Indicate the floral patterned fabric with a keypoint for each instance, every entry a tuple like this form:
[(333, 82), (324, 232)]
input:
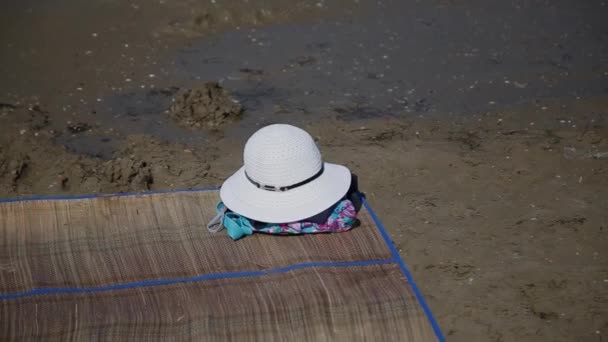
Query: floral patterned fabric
[(342, 218)]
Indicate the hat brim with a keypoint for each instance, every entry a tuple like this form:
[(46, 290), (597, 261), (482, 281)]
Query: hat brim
[(241, 196)]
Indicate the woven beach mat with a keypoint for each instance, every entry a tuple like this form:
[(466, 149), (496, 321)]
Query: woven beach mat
[(144, 267)]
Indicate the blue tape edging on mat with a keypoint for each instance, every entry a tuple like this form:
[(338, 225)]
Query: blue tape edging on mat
[(124, 194), (211, 276), (406, 272)]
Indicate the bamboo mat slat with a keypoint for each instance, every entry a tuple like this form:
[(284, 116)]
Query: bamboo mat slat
[(144, 267)]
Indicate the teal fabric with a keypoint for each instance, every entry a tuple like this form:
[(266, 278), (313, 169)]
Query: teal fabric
[(237, 226)]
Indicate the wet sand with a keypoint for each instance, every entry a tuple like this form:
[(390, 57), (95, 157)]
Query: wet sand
[(478, 130)]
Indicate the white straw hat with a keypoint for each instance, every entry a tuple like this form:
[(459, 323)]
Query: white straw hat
[(284, 178)]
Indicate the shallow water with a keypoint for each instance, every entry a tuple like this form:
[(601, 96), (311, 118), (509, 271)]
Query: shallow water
[(394, 58), (407, 60)]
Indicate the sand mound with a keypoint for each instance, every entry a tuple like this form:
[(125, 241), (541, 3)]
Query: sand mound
[(209, 106)]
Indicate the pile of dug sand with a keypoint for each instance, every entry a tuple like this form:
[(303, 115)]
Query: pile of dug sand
[(32, 162), (209, 106)]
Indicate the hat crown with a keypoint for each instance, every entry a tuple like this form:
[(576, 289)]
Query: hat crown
[(281, 155)]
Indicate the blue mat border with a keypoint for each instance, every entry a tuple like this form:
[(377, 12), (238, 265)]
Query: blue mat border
[(122, 194), (208, 276), (396, 258), (405, 270)]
